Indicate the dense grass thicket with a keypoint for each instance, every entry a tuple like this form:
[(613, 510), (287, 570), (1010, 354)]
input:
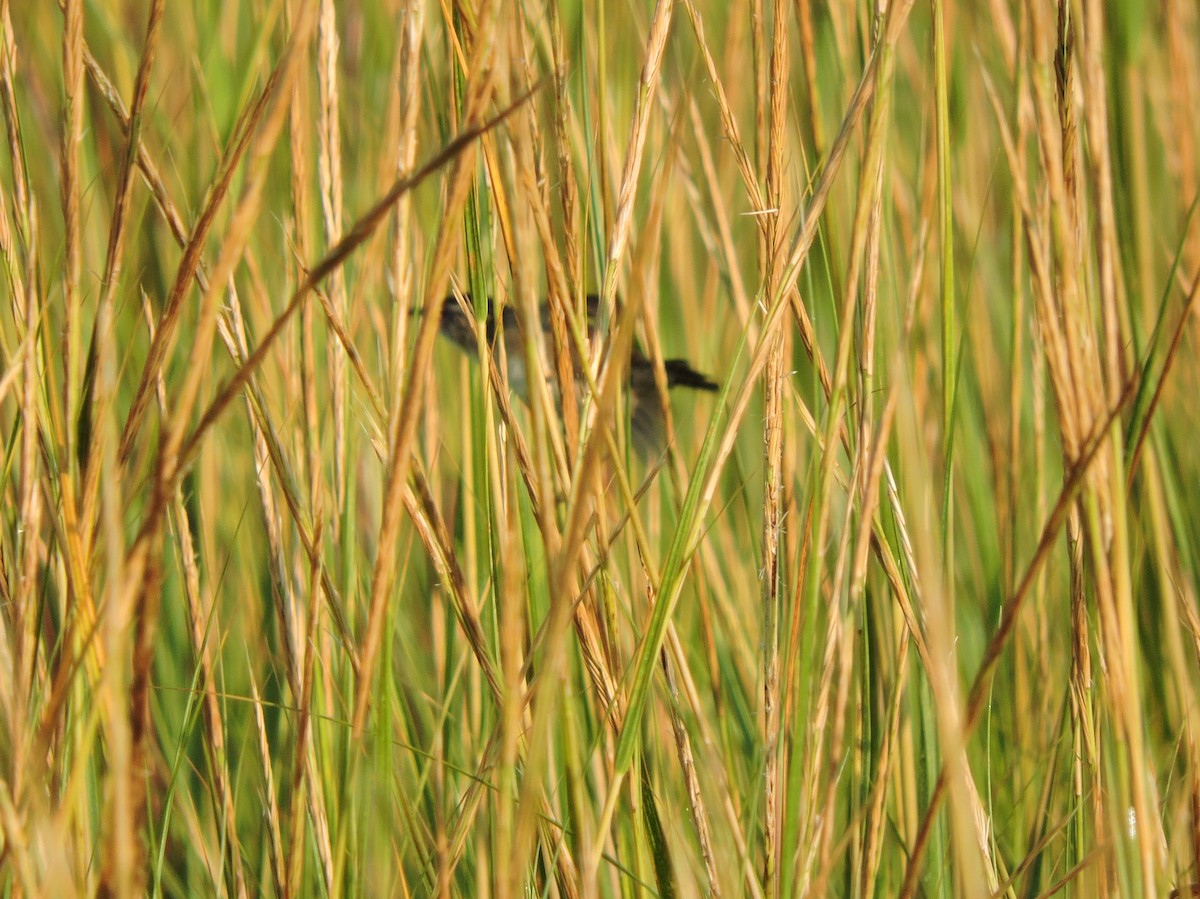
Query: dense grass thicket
[(298, 599)]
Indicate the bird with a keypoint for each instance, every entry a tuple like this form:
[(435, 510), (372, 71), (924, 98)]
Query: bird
[(646, 415)]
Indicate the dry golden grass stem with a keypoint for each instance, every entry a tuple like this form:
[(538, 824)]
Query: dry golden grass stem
[(530, 231), (568, 190), (1182, 82), (296, 619), (404, 138), (300, 117), (708, 561), (303, 763), (513, 704), (810, 343), (759, 63), (1020, 70), (72, 211), (271, 804), (329, 171), (24, 219), (1078, 385), (771, 245)]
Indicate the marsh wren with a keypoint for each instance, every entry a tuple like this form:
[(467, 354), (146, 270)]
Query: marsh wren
[(646, 415)]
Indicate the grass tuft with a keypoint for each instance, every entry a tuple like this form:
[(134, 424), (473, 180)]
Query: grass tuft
[(295, 601)]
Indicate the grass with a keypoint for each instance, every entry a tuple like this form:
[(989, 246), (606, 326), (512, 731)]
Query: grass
[(298, 600)]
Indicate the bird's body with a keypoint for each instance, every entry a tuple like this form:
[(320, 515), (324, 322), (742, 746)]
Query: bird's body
[(458, 325)]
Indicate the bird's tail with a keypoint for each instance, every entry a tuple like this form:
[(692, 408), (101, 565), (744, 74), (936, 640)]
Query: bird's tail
[(681, 374)]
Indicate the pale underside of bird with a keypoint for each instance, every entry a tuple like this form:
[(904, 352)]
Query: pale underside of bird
[(646, 417)]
